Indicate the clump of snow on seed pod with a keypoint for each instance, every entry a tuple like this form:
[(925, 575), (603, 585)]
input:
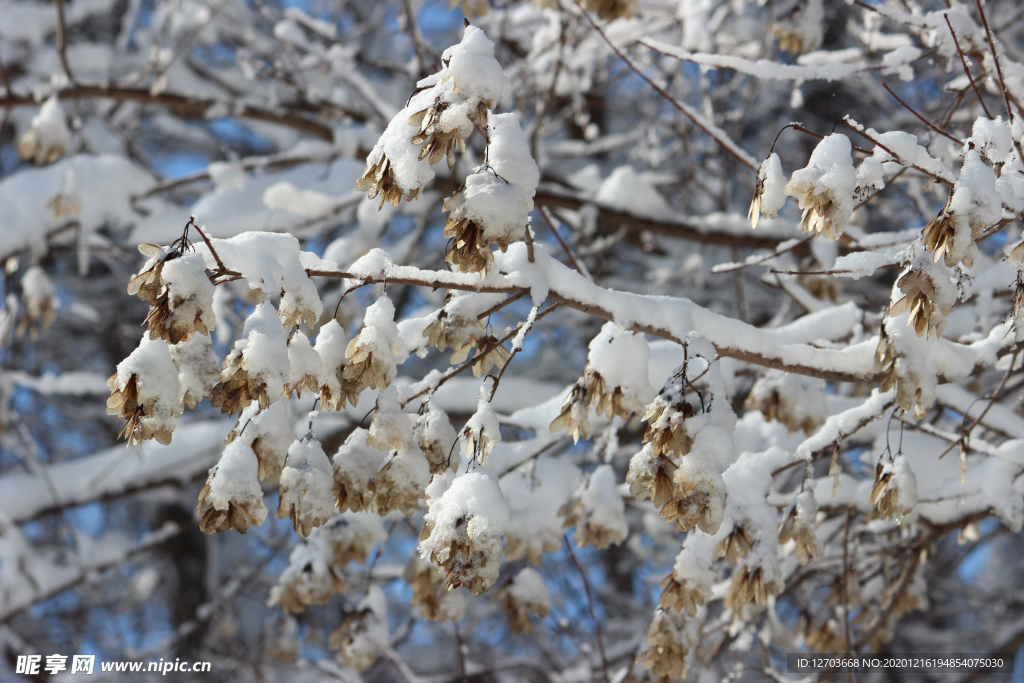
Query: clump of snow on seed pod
[(482, 431), (232, 497), (330, 345), (145, 392), (270, 434), (462, 529), (356, 465), (363, 636), (436, 122), (688, 587), (973, 207), (597, 512), (306, 370), (615, 378), (825, 187), (536, 492), (430, 596), (894, 492), (198, 369), (41, 302), (794, 400), (47, 138), (373, 353), (524, 596), (305, 490), (257, 367), (184, 305), (769, 195), (494, 203), (436, 438)]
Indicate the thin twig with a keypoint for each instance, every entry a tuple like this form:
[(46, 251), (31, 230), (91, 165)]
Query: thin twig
[(922, 119), (565, 247), (995, 58), (963, 60), (590, 607), (708, 127), (62, 39)]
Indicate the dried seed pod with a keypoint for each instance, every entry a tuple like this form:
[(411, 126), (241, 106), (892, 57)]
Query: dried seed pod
[(598, 512), (430, 596), (678, 595), (436, 438), (462, 530), (48, 137), (144, 392), (736, 546), (232, 497), (750, 584), (305, 490), (920, 298), (525, 595), (894, 492), (198, 369), (356, 466), (670, 640), (363, 635), (825, 187), (799, 527), (256, 368), (331, 343)]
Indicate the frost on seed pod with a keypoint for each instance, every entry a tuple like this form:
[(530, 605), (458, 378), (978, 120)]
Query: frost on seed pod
[(524, 596), (257, 367), (825, 187), (306, 370), (41, 302), (894, 492), (430, 596), (270, 434), (363, 635), (799, 527), (335, 392), (670, 640), (145, 392), (373, 353), (794, 400), (305, 490), (598, 512), (462, 529), (232, 497), (198, 369), (436, 438)]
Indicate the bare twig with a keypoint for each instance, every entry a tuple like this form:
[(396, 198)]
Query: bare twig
[(921, 118), (590, 607), (188, 107), (62, 39), (963, 60), (561, 242), (713, 131)]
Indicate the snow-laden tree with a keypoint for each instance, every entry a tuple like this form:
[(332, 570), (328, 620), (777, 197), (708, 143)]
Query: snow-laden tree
[(542, 344)]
